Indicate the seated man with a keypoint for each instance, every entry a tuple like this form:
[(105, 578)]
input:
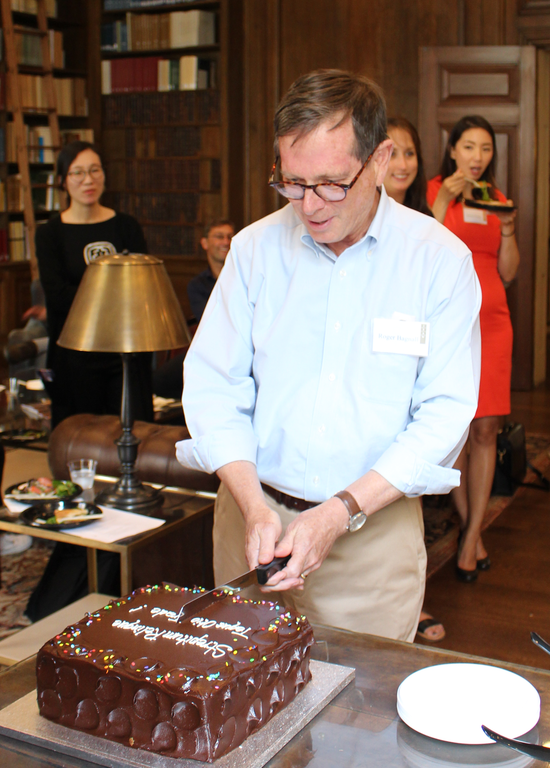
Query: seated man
[(168, 378)]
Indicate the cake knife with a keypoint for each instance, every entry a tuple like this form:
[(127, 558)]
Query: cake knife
[(259, 575)]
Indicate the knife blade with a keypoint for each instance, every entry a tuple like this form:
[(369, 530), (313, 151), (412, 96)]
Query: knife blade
[(536, 751), (259, 575), (538, 640)]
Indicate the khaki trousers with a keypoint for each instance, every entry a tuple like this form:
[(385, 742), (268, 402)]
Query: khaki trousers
[(372, 581)]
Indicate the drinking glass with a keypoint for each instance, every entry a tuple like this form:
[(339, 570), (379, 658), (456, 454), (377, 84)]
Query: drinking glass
[(83, 473)]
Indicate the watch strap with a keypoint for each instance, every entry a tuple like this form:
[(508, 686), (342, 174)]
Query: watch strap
[(350, 502)]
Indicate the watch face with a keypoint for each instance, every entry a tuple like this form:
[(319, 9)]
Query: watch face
[(357, 521)]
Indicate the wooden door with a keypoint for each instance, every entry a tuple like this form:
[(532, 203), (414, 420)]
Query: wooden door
[(499, 83)]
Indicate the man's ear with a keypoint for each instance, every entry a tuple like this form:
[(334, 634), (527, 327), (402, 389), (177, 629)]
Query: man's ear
[(381, 159), (204, 243)]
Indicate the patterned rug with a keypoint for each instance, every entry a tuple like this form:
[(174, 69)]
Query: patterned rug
[(21, 573)]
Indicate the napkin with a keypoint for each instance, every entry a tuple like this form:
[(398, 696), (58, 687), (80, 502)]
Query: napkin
[(114, 525)]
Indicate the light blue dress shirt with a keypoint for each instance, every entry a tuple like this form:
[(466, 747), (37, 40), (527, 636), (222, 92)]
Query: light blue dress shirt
[(282, 373)]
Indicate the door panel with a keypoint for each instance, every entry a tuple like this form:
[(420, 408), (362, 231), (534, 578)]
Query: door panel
[(499, 83)]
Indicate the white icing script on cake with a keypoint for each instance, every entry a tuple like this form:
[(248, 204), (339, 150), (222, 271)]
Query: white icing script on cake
[(213, 647), (217, 650), (199, 621)]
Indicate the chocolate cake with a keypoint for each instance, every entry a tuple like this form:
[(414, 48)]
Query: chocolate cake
[(195, 689)]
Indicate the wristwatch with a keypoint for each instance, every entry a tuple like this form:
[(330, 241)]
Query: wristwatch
[(357, 518)]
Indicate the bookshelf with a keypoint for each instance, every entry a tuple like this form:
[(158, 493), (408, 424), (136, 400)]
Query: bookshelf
[(41, 107), (163, 132)]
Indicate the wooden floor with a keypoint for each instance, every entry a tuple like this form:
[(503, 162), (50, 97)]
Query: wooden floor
[(494, 616)]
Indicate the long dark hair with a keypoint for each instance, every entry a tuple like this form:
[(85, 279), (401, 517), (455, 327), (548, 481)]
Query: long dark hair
[(448, 165), (415, 196), (68, 155)]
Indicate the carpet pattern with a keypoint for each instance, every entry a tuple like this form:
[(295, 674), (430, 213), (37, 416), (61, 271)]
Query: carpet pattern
[(21, 573)]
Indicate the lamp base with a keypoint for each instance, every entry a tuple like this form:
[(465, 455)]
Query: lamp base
[(139, 498)]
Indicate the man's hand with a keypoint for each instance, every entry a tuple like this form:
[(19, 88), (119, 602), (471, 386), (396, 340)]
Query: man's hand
[(37, 311), (309, 539), (263, 529)]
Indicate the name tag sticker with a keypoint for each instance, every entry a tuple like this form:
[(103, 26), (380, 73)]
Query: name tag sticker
[(401, 337), (474, 215)]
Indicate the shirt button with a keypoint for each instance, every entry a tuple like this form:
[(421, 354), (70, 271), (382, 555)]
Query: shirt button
[(315, 480), (332, 377), (337, 326), (322, 428), (343, 273)]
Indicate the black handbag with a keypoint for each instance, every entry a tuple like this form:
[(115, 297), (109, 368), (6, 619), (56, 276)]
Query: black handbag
[(511, 464)]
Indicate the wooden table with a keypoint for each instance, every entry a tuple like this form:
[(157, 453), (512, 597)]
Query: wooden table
[(359, 728), (180, 510)]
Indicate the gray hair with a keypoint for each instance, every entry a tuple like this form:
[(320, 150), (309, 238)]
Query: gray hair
[(325, 93)]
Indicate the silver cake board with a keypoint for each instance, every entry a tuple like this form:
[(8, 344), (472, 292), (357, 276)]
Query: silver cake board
[(22, 721)]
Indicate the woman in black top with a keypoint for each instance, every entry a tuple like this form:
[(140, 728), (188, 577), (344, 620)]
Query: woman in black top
[(86, 382)]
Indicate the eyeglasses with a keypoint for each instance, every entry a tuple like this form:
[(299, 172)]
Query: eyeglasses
[(330, 192), (95, 171)]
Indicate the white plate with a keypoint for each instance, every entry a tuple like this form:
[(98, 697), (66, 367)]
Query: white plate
[(451, 702)]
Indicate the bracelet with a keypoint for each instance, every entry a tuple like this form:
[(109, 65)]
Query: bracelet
[(509, 235), (350, 504)]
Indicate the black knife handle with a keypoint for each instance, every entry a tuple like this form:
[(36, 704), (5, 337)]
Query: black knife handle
[(265, 572)]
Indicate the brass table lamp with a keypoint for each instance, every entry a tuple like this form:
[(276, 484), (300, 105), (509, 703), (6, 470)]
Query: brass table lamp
[(126, 304)]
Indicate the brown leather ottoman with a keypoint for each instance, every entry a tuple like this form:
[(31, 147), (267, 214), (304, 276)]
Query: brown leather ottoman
[(93, 437)]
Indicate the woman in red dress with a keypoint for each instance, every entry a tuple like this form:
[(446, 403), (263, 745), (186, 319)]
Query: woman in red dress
[(470, 158)]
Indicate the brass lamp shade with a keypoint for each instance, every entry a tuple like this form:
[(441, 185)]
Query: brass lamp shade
[(125, 304)]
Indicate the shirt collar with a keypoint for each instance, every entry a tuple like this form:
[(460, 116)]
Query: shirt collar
[(373, 232)]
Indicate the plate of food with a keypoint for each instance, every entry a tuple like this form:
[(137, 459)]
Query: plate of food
[(43, 489), (490, 205), (23, 435), (60, 515)]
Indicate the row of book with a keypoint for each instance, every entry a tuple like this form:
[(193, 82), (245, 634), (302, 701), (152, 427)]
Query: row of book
[(122, 5), (164, 175), (160, 208), (172, 108), (14, 243), (156, 32), (171, 241), (46, 195), (39, 142), (161, 141), (151, 73), (29, 6), (29, 49), (70, 94)]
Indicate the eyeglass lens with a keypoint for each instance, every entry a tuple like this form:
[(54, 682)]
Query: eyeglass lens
[(96, 172), (328, 192)]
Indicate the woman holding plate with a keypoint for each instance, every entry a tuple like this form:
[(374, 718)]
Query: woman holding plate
[(488, 229)]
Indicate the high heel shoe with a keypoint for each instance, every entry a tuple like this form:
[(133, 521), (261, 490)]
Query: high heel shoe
[(465, 576), (462, 574), (484, 564)]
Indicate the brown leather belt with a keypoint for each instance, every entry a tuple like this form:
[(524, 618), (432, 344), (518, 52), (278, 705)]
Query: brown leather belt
[(289, 501)]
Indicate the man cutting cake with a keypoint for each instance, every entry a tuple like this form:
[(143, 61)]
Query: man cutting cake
[(335, 371)]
